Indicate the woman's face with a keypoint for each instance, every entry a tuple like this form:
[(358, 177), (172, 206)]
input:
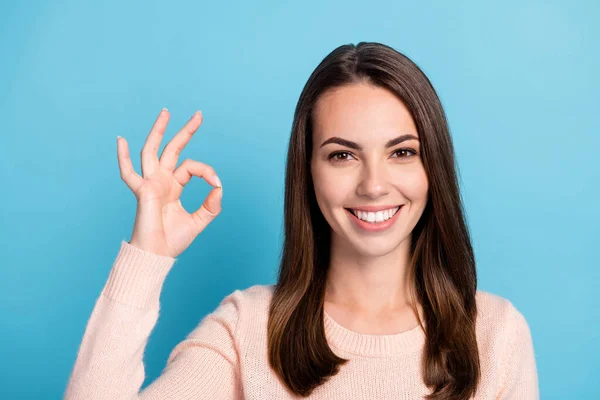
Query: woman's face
[(366, 155)]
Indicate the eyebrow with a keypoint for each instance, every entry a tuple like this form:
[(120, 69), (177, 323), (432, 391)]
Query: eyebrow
[(356, 146)]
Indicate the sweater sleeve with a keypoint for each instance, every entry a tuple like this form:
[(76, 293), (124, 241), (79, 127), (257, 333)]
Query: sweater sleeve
[(520, 373), (109, 362)]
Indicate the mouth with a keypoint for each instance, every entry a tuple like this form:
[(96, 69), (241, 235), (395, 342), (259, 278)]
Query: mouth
[(375, 217)]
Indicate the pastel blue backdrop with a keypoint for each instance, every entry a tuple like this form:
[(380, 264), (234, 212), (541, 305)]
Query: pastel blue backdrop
[(518, 79)]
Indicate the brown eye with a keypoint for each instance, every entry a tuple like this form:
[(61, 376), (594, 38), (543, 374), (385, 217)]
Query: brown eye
[(339, 156), (405, 151)]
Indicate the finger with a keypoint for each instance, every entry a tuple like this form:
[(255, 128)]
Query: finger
[(188, 168), (128, 174), (150, 150), (208, 210), (170, 154)]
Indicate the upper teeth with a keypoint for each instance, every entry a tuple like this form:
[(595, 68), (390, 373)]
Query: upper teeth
[(378, 216)]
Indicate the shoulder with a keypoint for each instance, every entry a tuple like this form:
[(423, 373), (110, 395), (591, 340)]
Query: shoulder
[(237, 313), (252, 299), (499, 325), (246, 307), (498, 312), (226, 328), (506, 347)]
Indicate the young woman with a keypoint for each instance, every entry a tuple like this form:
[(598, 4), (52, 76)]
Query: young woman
[(376, 296)]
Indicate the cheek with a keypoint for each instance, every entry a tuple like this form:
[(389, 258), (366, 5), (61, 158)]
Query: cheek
[(414, 185), (333, 191)]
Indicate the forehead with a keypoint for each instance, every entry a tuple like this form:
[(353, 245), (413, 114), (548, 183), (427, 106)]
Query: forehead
[(361, 110)]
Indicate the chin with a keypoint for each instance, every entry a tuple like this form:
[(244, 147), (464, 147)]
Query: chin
[(374, 247)]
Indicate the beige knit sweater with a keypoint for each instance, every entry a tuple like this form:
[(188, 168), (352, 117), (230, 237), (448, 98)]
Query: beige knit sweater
[(225, 356)]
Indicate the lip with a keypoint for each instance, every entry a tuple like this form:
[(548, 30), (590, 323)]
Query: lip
[(375, 208), (369, 227)]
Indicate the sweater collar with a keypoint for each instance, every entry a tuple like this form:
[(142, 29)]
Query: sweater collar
[(369, 345)]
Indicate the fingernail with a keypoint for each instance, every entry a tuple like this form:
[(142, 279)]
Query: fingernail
[(118, 136), (165, 109), (218, 182)]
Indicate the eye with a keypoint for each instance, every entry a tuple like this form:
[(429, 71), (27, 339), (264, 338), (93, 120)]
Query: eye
[(343, 156), (412, 153)]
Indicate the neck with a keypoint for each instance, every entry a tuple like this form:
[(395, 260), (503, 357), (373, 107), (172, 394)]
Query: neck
[(369, 284)]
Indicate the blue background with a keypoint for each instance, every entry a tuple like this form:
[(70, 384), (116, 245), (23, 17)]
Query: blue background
[(519, 82)]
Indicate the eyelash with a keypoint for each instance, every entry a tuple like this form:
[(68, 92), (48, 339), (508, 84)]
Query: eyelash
[(332, 155)]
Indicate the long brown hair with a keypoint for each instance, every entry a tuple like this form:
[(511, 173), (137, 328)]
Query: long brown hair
[(442, 260)]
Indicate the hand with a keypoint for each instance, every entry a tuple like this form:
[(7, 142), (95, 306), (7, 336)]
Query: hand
[(162, 226)]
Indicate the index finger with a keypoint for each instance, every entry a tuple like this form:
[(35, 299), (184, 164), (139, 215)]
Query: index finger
[(170, 154), (150, 150)]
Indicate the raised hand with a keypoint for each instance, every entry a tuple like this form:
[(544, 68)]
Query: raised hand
[(162, 226)]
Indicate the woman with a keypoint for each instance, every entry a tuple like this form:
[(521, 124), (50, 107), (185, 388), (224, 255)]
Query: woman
[(376, 296)]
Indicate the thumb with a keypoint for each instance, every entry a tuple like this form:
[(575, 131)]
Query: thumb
[(209, 209)]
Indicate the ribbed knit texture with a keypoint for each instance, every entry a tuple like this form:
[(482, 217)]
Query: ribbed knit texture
[(225, 356)]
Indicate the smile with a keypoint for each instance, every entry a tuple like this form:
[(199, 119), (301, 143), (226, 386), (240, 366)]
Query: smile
[(374, 221), (375, 217)]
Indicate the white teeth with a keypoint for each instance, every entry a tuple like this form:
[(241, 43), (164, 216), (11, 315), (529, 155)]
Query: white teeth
[(374, 217)]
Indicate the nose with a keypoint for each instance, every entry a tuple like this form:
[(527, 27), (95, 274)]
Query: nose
[(373, 182)]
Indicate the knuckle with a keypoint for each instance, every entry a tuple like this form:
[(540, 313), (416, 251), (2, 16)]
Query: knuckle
[(212, 212)]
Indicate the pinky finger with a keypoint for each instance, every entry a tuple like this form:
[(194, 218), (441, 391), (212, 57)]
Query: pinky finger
[(128, 174)]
